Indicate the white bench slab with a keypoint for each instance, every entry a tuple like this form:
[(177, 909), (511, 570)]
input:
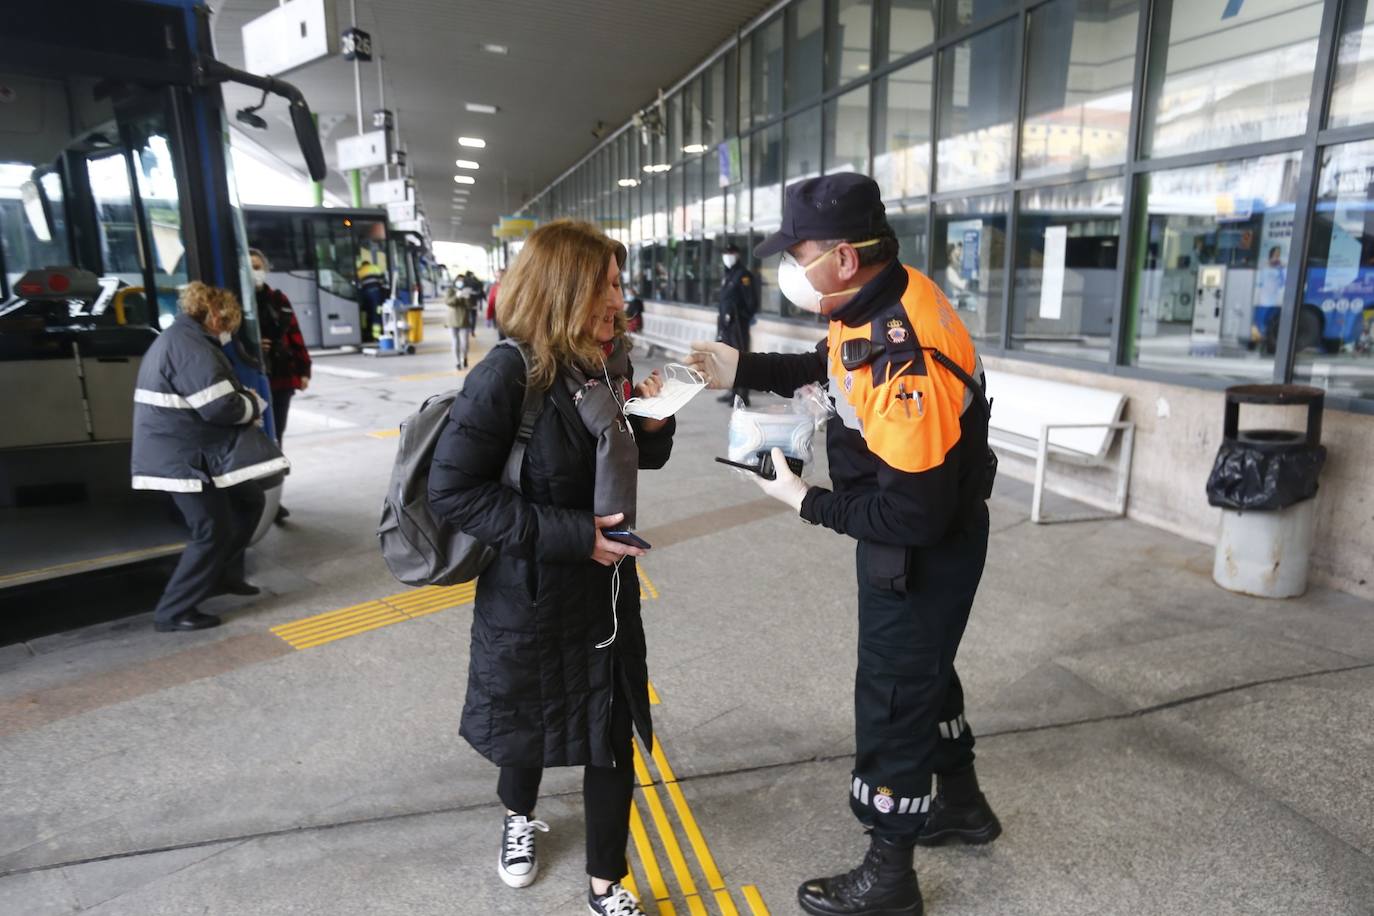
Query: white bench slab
[(1043, 419)]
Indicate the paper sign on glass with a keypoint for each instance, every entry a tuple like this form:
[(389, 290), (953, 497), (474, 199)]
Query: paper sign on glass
[(1052, 282)]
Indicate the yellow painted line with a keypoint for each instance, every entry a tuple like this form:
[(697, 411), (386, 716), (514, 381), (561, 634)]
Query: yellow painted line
[(362, 628), (666, 908), (333, 621), (653, 695), (429, 376), (689, 824), (646, 585), (324, 628), (727, 905), (666, 834), (647, 857), (384, 433), (755, 901)]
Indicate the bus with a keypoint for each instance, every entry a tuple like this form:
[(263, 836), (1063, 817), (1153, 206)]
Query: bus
[(317, 257), (115, 191)]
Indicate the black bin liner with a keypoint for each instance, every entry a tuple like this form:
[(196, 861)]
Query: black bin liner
[(1266, 469)]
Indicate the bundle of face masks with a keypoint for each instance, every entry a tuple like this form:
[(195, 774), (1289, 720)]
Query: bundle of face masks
[(789, 426), (680, 385)]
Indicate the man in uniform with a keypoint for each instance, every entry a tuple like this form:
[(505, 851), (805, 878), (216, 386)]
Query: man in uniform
[(372, 290), (911, 469), (739, 303)]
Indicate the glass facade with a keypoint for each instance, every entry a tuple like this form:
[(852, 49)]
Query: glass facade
[(1148, 188)]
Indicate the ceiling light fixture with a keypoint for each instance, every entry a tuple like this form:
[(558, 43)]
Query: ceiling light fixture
[(628, 182), (691, 148), (480, 108), (655, 169), (472, 142), (495, 49), (466, 164), (464, 179)]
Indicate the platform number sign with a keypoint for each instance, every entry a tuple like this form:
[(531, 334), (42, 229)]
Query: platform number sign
[(356, 45)]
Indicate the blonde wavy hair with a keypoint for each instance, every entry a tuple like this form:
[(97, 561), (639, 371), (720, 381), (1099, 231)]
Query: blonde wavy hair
[(217, 309), (548, 296)]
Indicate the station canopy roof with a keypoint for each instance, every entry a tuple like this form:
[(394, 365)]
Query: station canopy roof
[(568, 65)]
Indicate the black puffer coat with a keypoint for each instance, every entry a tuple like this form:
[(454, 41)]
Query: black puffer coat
[(539, 692)]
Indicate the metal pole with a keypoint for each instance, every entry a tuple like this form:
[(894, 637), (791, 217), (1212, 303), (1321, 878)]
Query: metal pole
[(355, 178), (381, 103)]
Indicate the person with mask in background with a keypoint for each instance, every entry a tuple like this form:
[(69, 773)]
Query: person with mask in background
[(283, 349), (737, 305), (911, 470), (197, 435), (458, 320), (556, 634)]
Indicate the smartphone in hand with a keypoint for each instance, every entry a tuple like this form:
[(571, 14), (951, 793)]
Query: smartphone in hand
[(625, 536)]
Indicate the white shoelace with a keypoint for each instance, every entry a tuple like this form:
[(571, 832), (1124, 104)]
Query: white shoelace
[(520, 838), (620, 902)]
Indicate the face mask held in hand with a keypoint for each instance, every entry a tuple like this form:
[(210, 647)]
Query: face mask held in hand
[(680, 385), (797, 288)]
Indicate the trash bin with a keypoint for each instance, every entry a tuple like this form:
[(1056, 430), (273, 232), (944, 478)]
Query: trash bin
[(1265, 482), (415, 318)]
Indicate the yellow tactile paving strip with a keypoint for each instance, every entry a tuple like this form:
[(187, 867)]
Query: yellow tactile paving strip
[(673, 835), (332, 626)]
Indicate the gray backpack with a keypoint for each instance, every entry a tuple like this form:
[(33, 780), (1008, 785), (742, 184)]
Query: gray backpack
[(418, 547)]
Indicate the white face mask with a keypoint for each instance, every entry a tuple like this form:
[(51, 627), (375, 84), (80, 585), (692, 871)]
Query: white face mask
[(680, 385), (729, 260), (225, 337), (259, 278), (798, 289)]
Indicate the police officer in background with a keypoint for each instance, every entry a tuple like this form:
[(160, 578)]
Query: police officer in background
[(739, 303), (911, 469)]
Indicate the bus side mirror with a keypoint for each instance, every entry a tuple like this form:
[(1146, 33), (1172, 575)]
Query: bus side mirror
[(308, 137), (210, 70)]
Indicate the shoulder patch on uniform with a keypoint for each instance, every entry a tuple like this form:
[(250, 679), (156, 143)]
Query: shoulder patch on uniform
[(744, 279)]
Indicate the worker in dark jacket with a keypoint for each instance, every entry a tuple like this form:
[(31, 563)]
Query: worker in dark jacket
[(738, 304), (283, 349), (909, 462), (198, 436), (557, 673)]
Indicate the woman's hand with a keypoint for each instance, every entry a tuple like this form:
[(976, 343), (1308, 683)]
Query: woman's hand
[(606, 551), (650, 387)]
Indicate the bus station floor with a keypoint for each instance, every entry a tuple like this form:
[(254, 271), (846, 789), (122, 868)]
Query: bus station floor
[(1151, 743)]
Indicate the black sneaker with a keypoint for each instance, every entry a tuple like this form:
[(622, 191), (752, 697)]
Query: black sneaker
[(517, 864), (615, 902)]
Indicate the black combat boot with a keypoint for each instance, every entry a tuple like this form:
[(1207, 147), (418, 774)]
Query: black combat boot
[(884, 884), (959, 813)]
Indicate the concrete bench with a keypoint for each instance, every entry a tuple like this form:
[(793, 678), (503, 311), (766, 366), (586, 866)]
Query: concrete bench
[(1040, 419)]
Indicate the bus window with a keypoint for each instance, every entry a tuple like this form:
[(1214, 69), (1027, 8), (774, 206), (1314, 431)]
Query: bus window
[(114, 208), (25, 245), (157, 187), (335, 259)]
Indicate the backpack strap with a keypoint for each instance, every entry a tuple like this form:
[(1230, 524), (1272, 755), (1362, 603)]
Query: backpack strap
[(529, 412)]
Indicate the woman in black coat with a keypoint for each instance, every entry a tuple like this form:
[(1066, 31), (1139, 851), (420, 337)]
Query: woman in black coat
[(557, 673)]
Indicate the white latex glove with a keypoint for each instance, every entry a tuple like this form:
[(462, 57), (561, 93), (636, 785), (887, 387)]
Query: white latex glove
[(717, 363), (786, 487)]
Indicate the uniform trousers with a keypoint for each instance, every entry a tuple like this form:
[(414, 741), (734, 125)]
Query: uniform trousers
[(221, 523), (606, 795), (908, 702)]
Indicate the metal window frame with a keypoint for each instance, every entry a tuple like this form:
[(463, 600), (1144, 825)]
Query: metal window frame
[(1151, 48)]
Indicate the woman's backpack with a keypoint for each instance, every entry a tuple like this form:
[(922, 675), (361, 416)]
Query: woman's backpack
[(420, 548)]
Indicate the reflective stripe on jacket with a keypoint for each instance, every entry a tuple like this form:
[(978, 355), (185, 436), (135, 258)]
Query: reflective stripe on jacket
[(193, 419)]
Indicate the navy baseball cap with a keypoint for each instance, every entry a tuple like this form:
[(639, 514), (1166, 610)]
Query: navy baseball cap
[(845, 205)]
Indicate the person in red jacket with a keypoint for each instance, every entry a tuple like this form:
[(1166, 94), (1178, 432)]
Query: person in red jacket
[(283, 348), (491, 300)]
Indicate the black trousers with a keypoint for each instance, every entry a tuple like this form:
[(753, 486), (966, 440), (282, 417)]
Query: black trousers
[(606, 795), (908, 702), (281, 406), (221, 522)]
